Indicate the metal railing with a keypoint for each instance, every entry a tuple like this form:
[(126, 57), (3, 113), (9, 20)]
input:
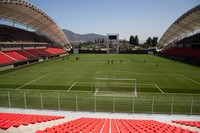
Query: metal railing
[(78, 102)]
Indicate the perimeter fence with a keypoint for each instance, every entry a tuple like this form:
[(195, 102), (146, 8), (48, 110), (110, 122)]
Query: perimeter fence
[(81, 101)]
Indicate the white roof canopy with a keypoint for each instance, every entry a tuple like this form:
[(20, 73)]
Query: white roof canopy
[(27, 14), (187, 23)]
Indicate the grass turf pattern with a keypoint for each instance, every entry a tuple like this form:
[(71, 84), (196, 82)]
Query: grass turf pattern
[(159, 81)]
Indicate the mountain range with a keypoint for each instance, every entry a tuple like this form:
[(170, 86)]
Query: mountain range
[(75, 37)]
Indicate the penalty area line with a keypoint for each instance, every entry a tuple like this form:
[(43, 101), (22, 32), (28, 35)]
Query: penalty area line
[(190, 79), (159, 88), (71, 86), (33, 81)]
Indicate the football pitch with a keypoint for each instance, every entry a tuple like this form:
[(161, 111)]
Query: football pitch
[(163, 86)]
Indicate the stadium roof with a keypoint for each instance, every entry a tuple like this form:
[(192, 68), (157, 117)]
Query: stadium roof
[(27, 14), (189, 22)]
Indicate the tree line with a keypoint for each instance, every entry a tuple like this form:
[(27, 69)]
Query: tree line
[(134, 40), (99, 40)]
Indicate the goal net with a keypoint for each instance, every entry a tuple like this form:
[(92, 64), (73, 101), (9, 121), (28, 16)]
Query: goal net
[(115, 87)]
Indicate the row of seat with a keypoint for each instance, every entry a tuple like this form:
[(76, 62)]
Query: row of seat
[(13, 34), (188, 123), (183, 52), (149, 126), (84, 125), (7, 57), (103, 125), (8, 120)]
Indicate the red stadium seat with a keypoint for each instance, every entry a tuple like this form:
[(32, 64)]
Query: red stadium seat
[(188, 123), (183, 52), (5, 59), (15, 55), (13, 34), (25, 54), (35, 52), (8, 120), (96, 125)]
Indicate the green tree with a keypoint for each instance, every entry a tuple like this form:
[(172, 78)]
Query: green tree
[(154, 41), (149, 41), (136, 40), (131, 40)]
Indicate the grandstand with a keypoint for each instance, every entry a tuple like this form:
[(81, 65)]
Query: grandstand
[(181, 40), (186, 50), (58, 95), (20, 47)]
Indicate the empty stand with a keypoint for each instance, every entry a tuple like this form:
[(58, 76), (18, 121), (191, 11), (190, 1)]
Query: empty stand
[(35, 52), (55, 50), (25, 54), (188, 123), (5, 59), (15, 55), (51, 51), (45, 52), (8, 120), (12, 34), (96, 125), (183, 52)]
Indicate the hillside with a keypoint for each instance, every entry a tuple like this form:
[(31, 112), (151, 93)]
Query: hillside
[(75, 37)]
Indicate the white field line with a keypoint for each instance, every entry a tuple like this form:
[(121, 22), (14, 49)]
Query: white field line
[(153, 85), (79, 83), (95, 93), (79, 91), (158, 74), (112, 59), (33, 81), (71, 86), (159, 88), (190, 79), (83, 82), (115, 72), (57, 91), (146, 84)]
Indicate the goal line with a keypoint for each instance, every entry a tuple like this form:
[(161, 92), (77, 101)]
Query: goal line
[(115, 87), (156, 87)]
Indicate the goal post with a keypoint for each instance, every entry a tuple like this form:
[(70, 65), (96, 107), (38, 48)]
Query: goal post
[(115, 86)]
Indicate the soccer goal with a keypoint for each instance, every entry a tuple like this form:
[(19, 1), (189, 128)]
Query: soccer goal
[(115, 87)]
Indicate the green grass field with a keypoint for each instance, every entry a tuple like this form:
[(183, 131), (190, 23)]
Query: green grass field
[(163, 86)]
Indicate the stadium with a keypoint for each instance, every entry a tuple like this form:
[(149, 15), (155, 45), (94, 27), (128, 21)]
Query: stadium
[(45, 88)]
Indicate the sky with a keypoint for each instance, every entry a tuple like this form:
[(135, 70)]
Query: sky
[(145, 18)]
